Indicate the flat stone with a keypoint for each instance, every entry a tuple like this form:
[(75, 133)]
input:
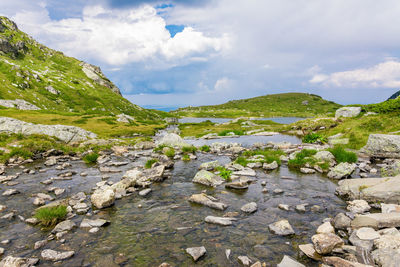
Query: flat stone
[(52, 255), (196, 252), (10, 192), (376, 220), (211, 165), (339, 262), (145, 192), (208, 201), (281, 227), (289, 262), (325, 228), (365, 245), (86, 223), (307, 170), (66, 225), (283, 207), (367, 233), (224, 221), (309, 251), (249, 207), (325, 243), (389, 208)]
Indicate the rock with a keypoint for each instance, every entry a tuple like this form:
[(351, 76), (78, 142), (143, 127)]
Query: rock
[(309, 251), (208, 201), (239, 184), (376, 220), (342, 170), (11, 261), (389, 208), (94, 230), (245, 172), (365, 245), (339, 262), (145, 192), (289, 262), (196, 252), (325, 156), (86, 223), (209, 166), (341, 221), (165, 264), (172, 139), (51, 161), (103, 198), (383, 146), (244, 260), (283, 207), (95, 73), (18, 104), (307, 170), (155, 174), (272, 166), (67, 134), (224, 221), (348, 112), (367, 233), (40, 244), (125, 118), (66, 225), (301, 207), (391, 169), (371, 189), (325, 243), (358, 206), (325, 228), (51, 90), (52, 255), (249, 207), (387, 241), (32, 221), (257, 264), (386, 257), (207, 178), (281, 227)]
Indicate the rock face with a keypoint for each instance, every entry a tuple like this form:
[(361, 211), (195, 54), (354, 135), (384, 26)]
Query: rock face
[(348, 112), (342, 170), (386, 190), (95, 73), (172, 139), (65, 133), (383, 146), (207, 178), (18, 104), (103, 198)]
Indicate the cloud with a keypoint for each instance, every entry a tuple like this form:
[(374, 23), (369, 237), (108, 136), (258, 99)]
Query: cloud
[(223, 84), (386, 74)]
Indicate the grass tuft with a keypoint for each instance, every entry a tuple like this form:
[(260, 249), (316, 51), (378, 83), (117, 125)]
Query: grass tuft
[(52, 215), (150, 163), (341, 155)]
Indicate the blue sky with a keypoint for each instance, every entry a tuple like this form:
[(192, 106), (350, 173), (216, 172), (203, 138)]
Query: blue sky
[(182, 52)]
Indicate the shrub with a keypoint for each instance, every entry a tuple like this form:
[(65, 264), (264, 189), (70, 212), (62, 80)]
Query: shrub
[(189, 149), (150, 163), (185, 157), (225, 173), (242, 161), (226, 132), (341, 155), (302, 158), (159, 148), (52, 215), (205, 148), (170, 152), (314, 138), (90, 158)]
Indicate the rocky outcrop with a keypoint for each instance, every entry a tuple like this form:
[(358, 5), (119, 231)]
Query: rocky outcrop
[(125, 118), (95, 73), (382, 146), (348, 112), (65, 133), (343, 170), (18, 104)]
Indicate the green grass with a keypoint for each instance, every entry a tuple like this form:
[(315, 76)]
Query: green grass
[(205, 148), (229, 132), (341, 155), (186, 157), (225, 173), (242, 161), (302, 158), (51, 215), (189, 149), (314, 138), (150, 163), (270, 155), (170, 152), (90, 158), (287, 104)]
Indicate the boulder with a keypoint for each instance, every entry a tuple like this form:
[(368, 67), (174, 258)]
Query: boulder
[(309, 251), (325, 243), (103, 197), (208, 201), (341, 221), (249, 207), (207, 178), (342, 170), (272, 166), (382, 146), (244, 260), (325, 156), (125, 118), (172, 139), (65, 133), (386, 257), (358, 206), (289, 262), (196, 252), (325, 228), (348, 112), (52, 255), (281, 227), (18, 104), (209, 166), (376, 220)]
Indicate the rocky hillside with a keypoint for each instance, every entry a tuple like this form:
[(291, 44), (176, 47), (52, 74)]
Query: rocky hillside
[(288, 104), (35, 77), (395, 95)]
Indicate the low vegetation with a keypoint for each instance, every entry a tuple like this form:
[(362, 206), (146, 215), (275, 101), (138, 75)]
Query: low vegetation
[(50, 216), (170, 152), (225, 173), (205, 148), (90, 158), (342, 155), (302, 158), (150, 163), (264, 156), (189, 149), (314, 138), (231, 132)]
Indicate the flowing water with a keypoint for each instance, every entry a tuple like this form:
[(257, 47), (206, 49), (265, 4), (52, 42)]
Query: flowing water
[(167, 223)]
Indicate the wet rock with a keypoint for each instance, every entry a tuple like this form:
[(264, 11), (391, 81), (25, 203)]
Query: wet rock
[(281, 227), (358, 206), (309, 251), (224, 221), (249, 207), (348, 112), (208, 201), (325, 243), (10, 192), (283, 207), (278, 191), (51, 161), (102, 198), (301, 207), (342, 170), (145, 192), (240, 184), (207, 178), (382, 146), (376, 220), (245, 172), (40, 244), (272, 166), (86, 223), (32, 221), (325, 228), (307, 170), (52, 255), (11, 261), (209, 166), (66, 225), (244, 260), (196, 252), (289, 262)]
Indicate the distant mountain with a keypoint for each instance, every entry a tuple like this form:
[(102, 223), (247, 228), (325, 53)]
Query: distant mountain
[(395, 95), (287, 104), (41, 78)]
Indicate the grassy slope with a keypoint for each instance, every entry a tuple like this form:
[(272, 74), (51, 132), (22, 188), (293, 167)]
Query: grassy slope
[(288, 104), (26, 74)]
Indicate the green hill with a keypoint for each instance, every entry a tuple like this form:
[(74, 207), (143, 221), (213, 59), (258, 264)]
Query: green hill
[(288, 104), (53, 82)]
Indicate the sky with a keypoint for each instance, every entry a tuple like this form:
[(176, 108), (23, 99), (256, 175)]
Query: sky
[(176, 53)]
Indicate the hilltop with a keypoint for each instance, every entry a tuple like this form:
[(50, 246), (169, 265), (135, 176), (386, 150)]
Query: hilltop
[(40, 78), (287, 104)]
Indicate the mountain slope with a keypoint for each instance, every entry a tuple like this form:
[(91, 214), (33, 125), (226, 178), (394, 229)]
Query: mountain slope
[(54, 82), (288, 104), (395, 95)]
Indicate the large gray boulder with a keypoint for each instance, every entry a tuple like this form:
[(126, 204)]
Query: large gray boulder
[(103, 197), (383, 146), (385, 190), (172, 139), (18, 104), (65, 133), (348, 112), (207, 178), (342, 170)]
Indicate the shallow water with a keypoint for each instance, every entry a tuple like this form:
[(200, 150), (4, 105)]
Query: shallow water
[(281, 120), (167, 223)]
